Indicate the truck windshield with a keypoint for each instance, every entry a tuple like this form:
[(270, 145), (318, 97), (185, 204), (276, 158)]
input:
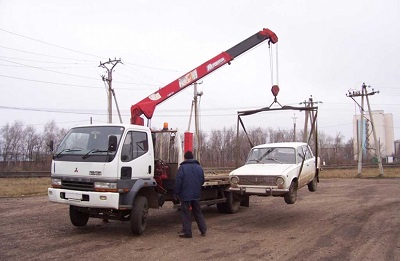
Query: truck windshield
[(272, 155), (90, 140)]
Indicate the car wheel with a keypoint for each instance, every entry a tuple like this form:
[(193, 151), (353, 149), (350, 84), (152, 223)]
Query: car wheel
[(139, 215), (312, 186), (291, 196), (78, 218)]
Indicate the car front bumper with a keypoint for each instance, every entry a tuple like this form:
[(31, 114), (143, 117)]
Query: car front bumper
[(259, 190)]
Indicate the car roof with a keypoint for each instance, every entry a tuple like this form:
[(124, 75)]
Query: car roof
[(281, 144)]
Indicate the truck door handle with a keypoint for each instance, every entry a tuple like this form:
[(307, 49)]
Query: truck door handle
[(149, 169)]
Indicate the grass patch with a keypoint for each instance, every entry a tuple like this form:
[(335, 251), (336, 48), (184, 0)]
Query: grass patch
[(23, 187), (353, 173)]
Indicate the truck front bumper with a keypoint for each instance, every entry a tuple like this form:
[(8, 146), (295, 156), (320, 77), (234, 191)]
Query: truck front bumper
[(259, 190), (84, 198)]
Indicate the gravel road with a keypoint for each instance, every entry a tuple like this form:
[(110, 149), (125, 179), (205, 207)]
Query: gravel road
[(345, 219)]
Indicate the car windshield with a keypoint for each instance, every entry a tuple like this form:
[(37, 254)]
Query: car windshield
[(272, 155), (88, 140)]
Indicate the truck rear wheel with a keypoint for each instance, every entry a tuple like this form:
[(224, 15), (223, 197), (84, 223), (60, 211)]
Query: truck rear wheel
[(231, 205), (139, 215), (78, 218)]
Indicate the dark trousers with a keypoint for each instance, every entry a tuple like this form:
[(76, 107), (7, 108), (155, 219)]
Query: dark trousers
[(186, 208)]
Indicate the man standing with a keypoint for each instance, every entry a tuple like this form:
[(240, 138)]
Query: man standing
[(188, 184)]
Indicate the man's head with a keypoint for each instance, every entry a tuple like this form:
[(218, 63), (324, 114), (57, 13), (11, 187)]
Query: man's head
[(188, 155)]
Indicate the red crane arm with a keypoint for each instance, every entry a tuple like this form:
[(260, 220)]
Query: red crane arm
[(147, 106)]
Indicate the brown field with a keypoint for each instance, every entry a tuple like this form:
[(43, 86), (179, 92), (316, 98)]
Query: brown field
[(24, 187), (345, 219)]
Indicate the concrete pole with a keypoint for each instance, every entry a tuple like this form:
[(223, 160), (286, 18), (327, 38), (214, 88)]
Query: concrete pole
[(378, 154), (109, 97), (360, 139)]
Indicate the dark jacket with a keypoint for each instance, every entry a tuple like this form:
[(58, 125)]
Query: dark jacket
[(189, 180)]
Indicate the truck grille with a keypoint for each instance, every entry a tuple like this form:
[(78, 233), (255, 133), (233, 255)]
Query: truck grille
[(77, 185), (257, 180)]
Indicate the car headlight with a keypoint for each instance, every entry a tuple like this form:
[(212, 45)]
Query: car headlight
[(234, 180), (106, 186), (56, 183), (279, 182)]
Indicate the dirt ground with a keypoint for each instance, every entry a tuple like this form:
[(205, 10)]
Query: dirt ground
[(345, 219)]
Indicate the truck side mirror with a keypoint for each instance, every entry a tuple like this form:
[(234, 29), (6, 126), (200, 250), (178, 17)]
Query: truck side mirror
[(112, 143)]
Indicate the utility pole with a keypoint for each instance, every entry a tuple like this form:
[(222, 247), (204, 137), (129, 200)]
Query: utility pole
[(295, 128), (194, 107), (308, 116), (109, 66), (364, 93)]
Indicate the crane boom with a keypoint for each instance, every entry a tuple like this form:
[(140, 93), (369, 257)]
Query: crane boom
[(147, 106)]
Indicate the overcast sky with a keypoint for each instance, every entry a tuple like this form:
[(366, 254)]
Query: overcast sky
[(50, 53)]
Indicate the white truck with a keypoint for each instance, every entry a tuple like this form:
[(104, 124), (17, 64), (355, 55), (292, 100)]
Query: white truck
[(277, 169), (111, 172)]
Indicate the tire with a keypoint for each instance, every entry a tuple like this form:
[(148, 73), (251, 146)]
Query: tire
[(231, 205), (78, 218), (291, 196), (312, 186), (139, 215)]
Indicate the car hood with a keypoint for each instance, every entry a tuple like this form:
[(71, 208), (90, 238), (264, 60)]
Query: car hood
[(263, 169)]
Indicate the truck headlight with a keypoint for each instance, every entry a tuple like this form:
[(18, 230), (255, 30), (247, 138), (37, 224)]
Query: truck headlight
[(234, 180), (56, 183), (105, 186), (279, 181)]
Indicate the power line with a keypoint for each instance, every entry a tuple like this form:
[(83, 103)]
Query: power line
[(30, 60), (54, 45), (45, 55), (39, 68), (48, 110), (73, 85), (47, 82)]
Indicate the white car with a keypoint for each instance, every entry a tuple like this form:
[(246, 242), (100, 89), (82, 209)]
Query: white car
[(277, 169)]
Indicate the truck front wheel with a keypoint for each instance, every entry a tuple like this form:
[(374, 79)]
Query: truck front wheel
[(139, 215), (78, 218)]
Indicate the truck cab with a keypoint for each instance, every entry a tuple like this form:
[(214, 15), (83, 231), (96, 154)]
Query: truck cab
[(99, 169)]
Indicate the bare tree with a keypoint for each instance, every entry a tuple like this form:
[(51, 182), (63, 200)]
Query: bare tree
[(31, 143), (258, 136), (5, 142), (338, 140), (216, 140), (349, 151), (280, 135), (15, 139), (221, 148)]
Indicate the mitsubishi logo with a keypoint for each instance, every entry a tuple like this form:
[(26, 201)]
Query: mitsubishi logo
[(76, 170)]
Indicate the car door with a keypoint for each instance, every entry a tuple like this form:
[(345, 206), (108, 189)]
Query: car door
[(307, 167), (309, 164)]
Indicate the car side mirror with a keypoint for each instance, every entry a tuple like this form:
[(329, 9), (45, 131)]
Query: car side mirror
[(112, 143)]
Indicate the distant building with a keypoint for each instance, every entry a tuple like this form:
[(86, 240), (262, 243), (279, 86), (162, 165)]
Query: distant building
[(384, 130)]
